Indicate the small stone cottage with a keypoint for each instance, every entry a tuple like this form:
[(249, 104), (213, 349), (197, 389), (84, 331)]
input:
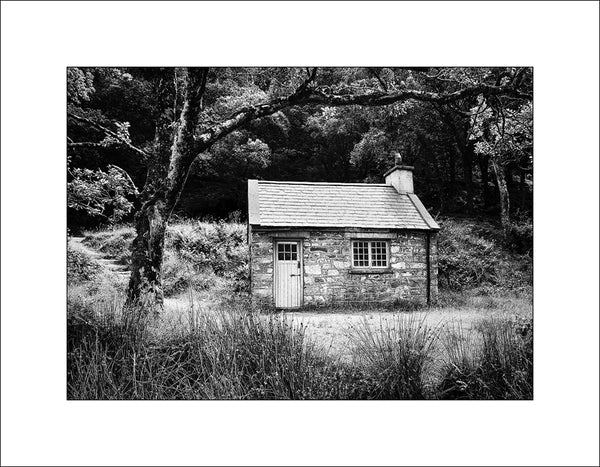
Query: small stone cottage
[(331, 243)]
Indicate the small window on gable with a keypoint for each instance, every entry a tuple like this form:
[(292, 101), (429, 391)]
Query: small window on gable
[(370, 254)]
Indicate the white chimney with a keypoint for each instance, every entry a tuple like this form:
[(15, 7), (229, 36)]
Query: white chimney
[(400, 176)]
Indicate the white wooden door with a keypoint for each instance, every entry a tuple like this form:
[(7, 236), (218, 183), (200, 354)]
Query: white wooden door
[(288, 274)]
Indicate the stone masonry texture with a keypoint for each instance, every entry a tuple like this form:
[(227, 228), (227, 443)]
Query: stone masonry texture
[(328, 274)]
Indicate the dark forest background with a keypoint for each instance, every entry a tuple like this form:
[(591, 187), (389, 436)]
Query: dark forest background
[(453, 146)]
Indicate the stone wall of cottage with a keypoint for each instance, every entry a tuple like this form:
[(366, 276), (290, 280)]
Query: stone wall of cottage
[(329, 277)]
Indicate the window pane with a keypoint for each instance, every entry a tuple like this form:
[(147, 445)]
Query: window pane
[(280, 255), (360, 254), (378, 254)]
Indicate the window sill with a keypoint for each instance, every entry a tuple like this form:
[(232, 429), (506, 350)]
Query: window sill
[(370, 271)]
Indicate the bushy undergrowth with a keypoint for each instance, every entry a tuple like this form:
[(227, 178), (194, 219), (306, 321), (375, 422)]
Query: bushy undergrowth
[(494, 362), (474, 255), (115, 242), (520, 237), (219, 247), (197, 254), (80, 267), (471, 255)]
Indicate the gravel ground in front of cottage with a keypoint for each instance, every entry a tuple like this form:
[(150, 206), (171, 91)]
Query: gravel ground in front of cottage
[(336, 332)]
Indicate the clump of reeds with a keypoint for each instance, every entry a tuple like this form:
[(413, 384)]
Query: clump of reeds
[(394, 358), (493, 361)]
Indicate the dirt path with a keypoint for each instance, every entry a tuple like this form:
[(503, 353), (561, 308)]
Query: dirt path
[(108, 264), (178, 310)]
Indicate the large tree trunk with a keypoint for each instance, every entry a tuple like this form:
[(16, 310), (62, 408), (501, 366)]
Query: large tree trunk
[(173, 152), (503, 192), (145, 284)]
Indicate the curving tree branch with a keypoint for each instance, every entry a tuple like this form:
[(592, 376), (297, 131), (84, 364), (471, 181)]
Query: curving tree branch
[(106, 131), (307, 96)]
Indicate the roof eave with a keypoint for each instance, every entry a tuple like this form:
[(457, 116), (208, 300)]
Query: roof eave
[(431, 223), (328, 226)]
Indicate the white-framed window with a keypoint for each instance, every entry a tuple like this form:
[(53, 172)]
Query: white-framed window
[(370, 253), (287, 251)]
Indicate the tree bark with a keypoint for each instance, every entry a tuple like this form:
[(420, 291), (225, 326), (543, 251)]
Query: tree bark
[(503, 192), (145, 282), (164, 183)]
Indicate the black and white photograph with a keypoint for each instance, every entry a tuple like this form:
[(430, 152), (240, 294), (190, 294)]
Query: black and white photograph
[(300, 233)]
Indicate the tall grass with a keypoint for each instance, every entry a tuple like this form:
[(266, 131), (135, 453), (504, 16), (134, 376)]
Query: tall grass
[(395, 356), (237, 354), (227, 355), (495, 361)]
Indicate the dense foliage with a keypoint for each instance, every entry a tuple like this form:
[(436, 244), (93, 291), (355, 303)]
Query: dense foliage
[(473, 254), (80, 267), (451, 146)]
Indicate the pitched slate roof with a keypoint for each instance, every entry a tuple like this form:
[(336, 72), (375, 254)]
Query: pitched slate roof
[(313, 204)]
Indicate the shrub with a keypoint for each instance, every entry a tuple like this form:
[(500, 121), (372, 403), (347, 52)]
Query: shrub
[(220, 248), (465, 260), (494, 363), (115, 243), (181, 274), (80, 267), (519, 237), (471, 255)]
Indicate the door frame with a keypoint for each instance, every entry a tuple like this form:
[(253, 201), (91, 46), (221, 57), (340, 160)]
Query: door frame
[(300, 243)]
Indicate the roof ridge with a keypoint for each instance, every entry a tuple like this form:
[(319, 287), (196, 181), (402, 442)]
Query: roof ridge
[(281, 182)]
